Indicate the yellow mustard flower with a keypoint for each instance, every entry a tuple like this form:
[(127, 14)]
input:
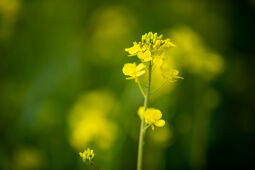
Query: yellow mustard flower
[(145, 57), (88, 154), (134, 50), (153, 117), (130, 69)]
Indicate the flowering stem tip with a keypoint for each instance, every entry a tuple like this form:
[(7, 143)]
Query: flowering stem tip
[(150, 53), (88, 155)]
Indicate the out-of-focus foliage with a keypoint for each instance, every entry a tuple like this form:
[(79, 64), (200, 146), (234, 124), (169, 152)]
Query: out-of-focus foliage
[(62, 89), (110, 27), (27, 158), (9, 9), (193, 55)]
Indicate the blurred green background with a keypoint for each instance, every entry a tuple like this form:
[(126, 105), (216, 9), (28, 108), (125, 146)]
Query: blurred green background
[(62, 88)]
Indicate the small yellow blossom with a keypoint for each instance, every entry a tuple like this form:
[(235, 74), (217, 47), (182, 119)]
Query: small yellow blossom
[(146, 56), (133, 50), (130, 69), (153, 117), (88, 154)]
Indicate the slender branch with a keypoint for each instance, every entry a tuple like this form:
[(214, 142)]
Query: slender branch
[(140, 87), (146, 127), (142, 130), (93, 165)]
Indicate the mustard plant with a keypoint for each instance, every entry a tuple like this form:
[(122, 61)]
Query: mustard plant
[(150, 52), (88, 156)]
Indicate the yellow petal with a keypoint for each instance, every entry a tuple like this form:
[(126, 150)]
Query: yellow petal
[(129, 69), (140, 67), (160, 123), (141, 55), (140, 73), (148, 113), (147, 54), (157, 114), (133, 50), (130, 78), (147, 59)]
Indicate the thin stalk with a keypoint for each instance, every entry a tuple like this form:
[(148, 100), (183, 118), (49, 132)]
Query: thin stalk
[(142, 130), (93, 165), (140, 87)]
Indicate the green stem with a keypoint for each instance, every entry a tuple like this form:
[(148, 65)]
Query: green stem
[(140, 87), (142, 130)]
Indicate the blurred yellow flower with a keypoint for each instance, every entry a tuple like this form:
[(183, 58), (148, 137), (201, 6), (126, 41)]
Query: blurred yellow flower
[(152, 117), (130, 69), (89, 120), (140, 112), (193, 55), (93, 127), (87, 154), (167, 43), (171, 74)]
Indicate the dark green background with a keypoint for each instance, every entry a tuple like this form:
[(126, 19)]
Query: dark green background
[(54, 51)]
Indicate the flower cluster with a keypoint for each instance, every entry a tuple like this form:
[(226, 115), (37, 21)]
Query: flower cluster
[(150, 43), (152, 117), (88, 154), (150, 51), (172, 75)]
